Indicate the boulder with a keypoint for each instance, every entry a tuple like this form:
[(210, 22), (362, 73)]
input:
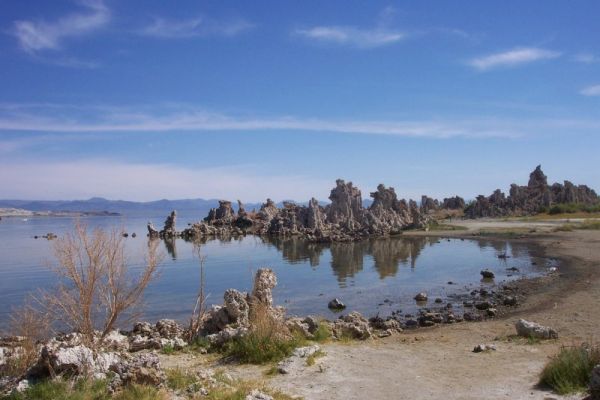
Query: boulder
[(143, 369), (76, 360), (353, 325), (531, 329), (421, 296), (484, 347), (168, 329), (114, 340), (226, 335), (336, 304), (487, 274), (139, 342)]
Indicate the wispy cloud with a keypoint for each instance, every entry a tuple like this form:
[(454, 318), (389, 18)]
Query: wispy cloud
[(586, 58), (381, 35), (69, 119), (39, 35), (58, 118), (194, 27), (591, 91), (512, 58), (363, 38), (119, 180)]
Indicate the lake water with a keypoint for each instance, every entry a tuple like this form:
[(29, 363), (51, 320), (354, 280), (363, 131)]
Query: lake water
[(362, 274)]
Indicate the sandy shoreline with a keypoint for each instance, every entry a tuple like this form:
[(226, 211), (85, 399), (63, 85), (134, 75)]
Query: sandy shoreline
[(438, 362)]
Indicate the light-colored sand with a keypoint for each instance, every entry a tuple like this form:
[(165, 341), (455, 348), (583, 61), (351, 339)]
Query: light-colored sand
[(438, 363), (441, 364)]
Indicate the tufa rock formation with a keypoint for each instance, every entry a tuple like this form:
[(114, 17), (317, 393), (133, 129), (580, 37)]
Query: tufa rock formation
[(531, 199), (345, 219)]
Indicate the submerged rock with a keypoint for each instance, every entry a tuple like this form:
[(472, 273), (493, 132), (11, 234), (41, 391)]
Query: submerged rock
[(486, 273), (336, 304), (421, 296)]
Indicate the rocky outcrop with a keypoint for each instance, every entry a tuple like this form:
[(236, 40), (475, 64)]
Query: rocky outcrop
[(429, 204), (345, 219), (531, 199), (223, 215), (453, 203), (152, 231), (346, 207), (230, 320), (170, 230)]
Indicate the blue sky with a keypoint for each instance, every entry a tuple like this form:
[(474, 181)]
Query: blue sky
[(144, 100)]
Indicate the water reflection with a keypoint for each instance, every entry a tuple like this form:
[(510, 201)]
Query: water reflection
[(171, 246), (297, 250), (388, 254), (348, 259)]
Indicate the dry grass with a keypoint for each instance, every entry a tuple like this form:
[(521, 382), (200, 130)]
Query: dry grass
[(97, 289), (199, 311), (31, 326)]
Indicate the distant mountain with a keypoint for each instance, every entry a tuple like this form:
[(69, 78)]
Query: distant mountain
[(193, 208), (196, 207)]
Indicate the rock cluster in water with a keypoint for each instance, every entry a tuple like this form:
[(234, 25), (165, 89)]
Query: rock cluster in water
[(345, 219), (531, 199)]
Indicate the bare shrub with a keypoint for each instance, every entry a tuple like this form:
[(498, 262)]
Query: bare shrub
[(199, 311), (97, 289), (28, 325)]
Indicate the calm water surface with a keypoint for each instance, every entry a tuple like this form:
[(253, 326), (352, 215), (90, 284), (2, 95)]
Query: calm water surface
[(362, 274)]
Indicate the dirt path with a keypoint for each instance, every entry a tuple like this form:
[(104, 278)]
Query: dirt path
[(439, 363)]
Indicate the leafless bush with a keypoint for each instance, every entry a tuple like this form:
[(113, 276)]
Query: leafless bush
[(199, 311), (97, 289), (28, 325)]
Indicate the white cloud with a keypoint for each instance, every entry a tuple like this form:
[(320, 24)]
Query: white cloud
[(591, 91), (74, 120), (35, 36), (143, 182), (381, 35), (586, 58), (363, 38), (53, 118), (199, 26), (512, 58)]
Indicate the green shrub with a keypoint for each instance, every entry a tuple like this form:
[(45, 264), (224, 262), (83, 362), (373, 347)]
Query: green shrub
[(168, 349), (84, 389), (571, 208), (179, 379), (59, 389), (322, 333), (570, 370), (257, 348)]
